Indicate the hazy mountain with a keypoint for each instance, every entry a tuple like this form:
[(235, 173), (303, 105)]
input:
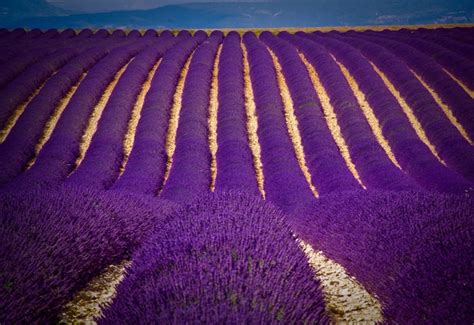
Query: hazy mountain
[(268, 14), (14, 10), (96, 6)]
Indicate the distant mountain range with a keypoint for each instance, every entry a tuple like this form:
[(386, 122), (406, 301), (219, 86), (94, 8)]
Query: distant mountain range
[(40, 14), (11, 11)]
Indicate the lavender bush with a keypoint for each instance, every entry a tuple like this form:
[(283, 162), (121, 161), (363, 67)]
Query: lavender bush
[(100, 166), (414, 157), (53, 242), (458, 65), (146, 166), (60, 152), (375, 168), (192, 146), (447, 89), (227, 258), (449, 143), (235, 169), (324, 159), (19, 146), (285, 184), (421, 269)]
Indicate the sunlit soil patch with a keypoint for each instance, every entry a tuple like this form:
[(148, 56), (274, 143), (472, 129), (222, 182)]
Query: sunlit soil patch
[(213, 106), (346, 300), (446, 110), (53, 120), (94, 118), (409, 113), (87, 304), (469, 91), (252, 124), (368, 113), (135, 117), (331, 119), (170, 143), (292, 123), (18, 111)]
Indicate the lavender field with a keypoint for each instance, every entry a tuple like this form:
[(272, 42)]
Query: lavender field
[(308, 177)]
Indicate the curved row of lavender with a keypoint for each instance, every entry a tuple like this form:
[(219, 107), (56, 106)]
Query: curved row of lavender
[(451, 146), (234, 156), (192, 148), (251, 271), (229, 256), (145, 168), (284, 182), (378, 172), (324, 160), (413, 156)]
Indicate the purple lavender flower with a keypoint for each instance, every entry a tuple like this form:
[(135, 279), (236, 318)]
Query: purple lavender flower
[(227, 258)]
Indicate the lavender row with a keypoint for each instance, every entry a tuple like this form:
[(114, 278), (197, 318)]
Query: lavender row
[(190, 172), (411, 249), (235, 169), (447, 89), (17, 57), (34, 34), (56, 159), (20, 34), (37, 33), (101, 163), (24, 75), (451, 146), (461, 34), (20, 55), (412, 154), (18, 91), (325, 163), (459, 66), (373, 165), (452, 36), (11, 68), (285, 184), (52, 243), (19, 146), (461, 47), (146, 165), (14, 34), (227, 258)]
